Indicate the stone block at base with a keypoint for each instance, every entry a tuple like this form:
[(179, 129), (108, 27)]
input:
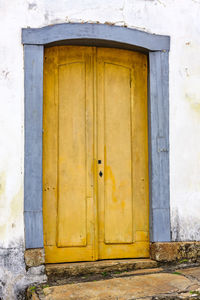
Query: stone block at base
[(175, 251), (34, 257)]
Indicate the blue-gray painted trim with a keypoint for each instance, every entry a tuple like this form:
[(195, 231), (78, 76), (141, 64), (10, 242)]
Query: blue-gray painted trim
[(34, 229), (159, 145), (88, 31), (105, 35), (33, 67)]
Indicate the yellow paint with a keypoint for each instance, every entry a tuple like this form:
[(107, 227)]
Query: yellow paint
[(14, 209), (16, 206), (4, 220), (2, 202), (194, 102), (95, 108)]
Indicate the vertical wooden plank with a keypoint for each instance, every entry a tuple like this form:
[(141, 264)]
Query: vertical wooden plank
[(140, 147), (33, 65), (159, 145), (50, 145), (95, 156)]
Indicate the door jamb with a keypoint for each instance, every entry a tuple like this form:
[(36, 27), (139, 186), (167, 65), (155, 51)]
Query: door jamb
[(157, 47)]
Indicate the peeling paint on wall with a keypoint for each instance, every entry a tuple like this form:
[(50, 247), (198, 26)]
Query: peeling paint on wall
[(14, 278), (182, 229), (32, 5)]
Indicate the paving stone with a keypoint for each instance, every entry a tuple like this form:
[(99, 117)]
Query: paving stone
[(35, 297), (194, 272), (32, 295), (124, 288), (189, 295)]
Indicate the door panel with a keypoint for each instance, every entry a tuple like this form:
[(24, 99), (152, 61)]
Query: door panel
[(123, 149), (68, 154), (95, 120)]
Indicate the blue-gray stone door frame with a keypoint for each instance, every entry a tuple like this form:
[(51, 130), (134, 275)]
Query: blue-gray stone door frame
[(157, 47)]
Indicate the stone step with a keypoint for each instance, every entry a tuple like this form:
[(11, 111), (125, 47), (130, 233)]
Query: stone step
[(137, 272), (67, 270)]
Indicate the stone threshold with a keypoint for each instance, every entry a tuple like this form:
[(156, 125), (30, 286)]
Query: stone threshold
[(64, 271)]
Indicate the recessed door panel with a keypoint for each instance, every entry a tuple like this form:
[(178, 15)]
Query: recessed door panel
[(72, 155), (117, 140)]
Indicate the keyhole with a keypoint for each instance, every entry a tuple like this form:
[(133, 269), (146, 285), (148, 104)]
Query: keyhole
[(100, 174)]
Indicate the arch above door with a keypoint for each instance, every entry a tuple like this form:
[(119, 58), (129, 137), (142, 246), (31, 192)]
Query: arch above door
[(157, 47)]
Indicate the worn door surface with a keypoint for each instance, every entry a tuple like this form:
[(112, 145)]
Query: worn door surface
[(95, 154)]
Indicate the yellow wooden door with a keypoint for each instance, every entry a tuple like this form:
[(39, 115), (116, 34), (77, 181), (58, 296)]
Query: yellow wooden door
[(95, 154), (123, 150), (68, 154)]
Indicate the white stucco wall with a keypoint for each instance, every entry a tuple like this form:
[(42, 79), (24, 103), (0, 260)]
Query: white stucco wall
[(180, 20)]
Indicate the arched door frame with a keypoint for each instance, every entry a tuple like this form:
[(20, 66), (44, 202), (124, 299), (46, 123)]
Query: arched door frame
[(157, 47)]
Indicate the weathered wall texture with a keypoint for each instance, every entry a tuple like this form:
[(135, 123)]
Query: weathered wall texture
[(180, 20)]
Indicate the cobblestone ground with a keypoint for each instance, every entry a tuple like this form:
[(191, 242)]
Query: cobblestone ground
[(175, 282)]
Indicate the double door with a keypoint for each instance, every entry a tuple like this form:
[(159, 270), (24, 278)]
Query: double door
[(95, 154)]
